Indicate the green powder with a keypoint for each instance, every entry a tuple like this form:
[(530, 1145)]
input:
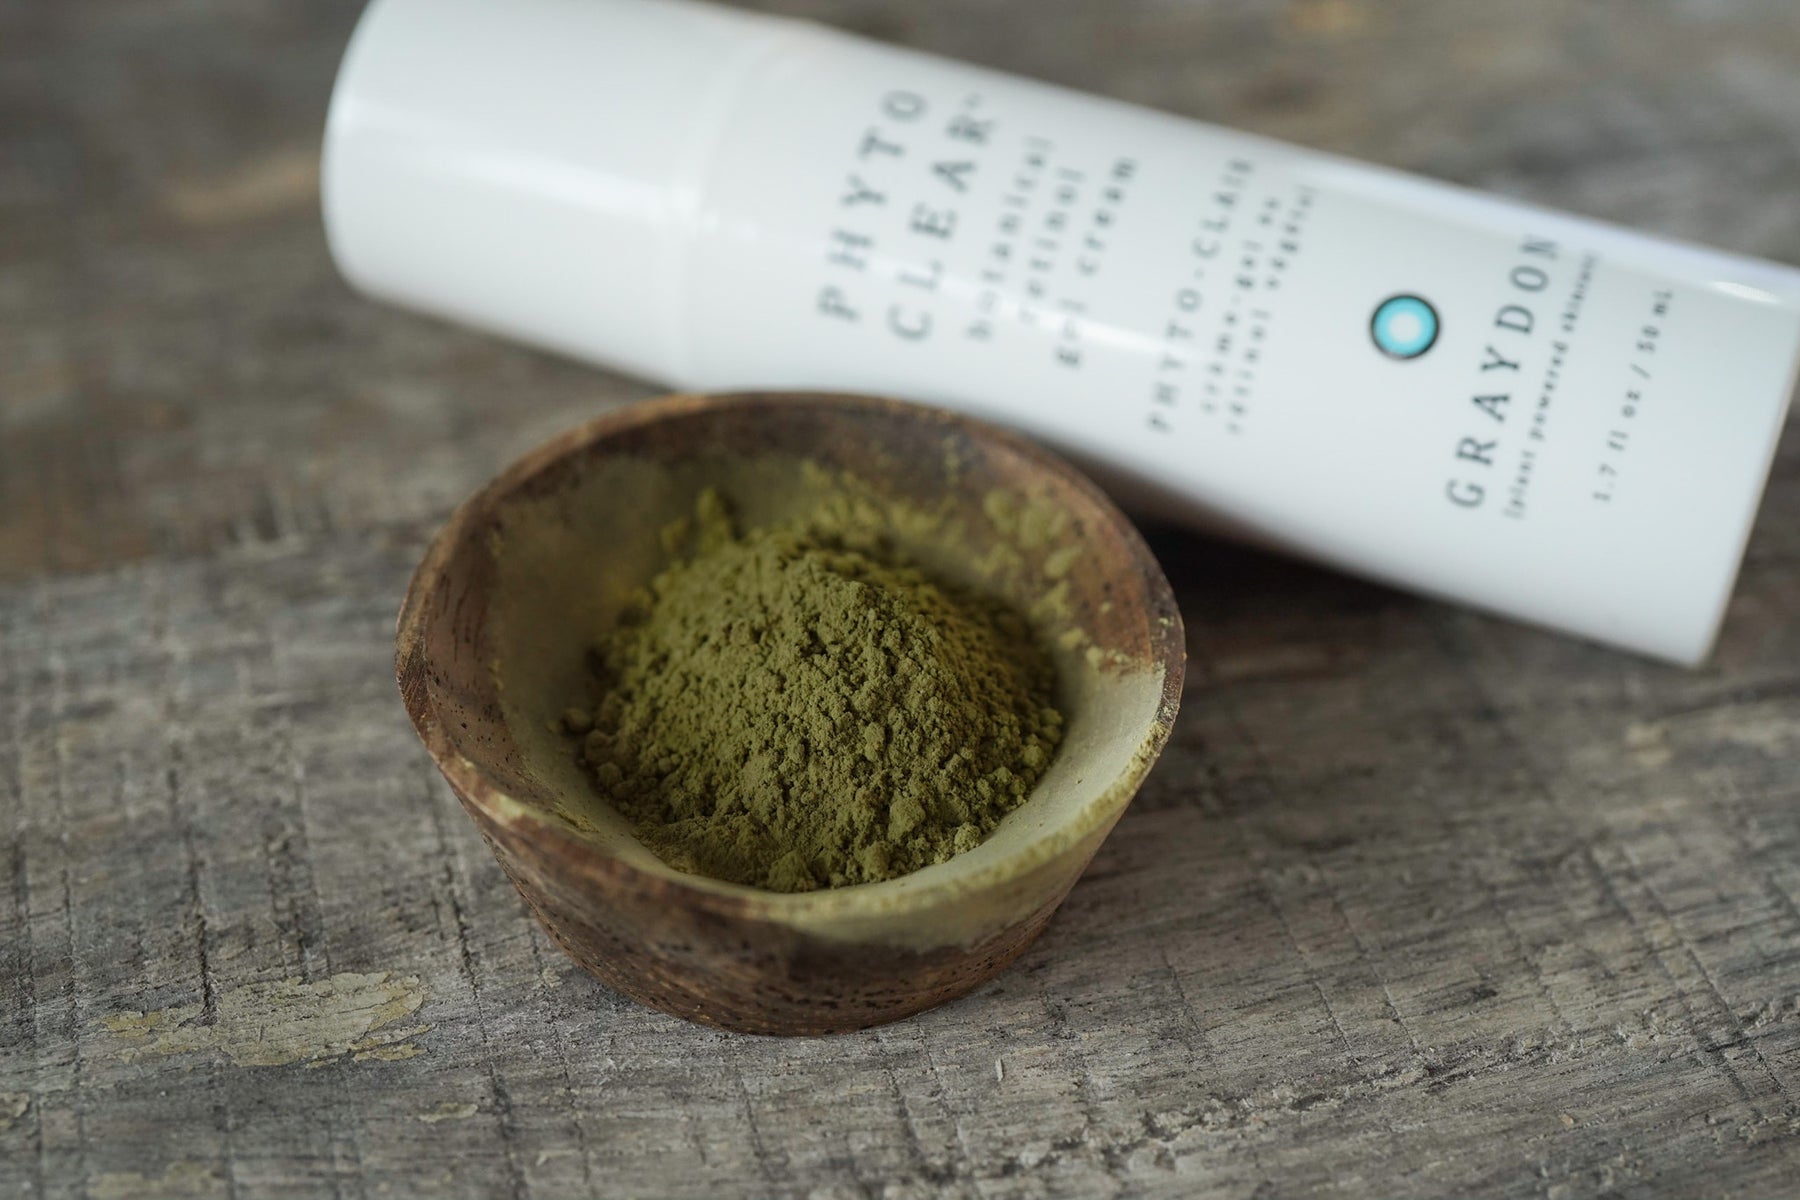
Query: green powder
[(796, 707)]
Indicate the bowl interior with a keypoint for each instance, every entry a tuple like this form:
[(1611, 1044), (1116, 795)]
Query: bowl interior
[(544, 560)]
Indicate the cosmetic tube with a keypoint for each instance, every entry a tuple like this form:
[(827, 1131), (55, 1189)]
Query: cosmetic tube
[(1531, 413)]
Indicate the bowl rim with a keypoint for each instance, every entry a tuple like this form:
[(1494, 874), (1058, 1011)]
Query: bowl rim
[(586, 858)]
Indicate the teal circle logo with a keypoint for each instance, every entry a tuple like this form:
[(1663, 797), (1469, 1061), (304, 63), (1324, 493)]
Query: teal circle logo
[(1404, 327)]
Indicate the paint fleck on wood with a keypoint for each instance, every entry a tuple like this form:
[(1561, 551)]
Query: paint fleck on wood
[(449, 1111), (272, 1025), (177, 1182)]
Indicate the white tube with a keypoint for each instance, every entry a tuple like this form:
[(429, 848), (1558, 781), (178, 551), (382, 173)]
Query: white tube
[(1532, 413)]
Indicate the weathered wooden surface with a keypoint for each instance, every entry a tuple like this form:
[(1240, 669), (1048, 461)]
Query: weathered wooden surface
[(1417, 902)]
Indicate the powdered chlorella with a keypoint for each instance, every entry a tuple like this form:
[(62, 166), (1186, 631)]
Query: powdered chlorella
[(796, 707)]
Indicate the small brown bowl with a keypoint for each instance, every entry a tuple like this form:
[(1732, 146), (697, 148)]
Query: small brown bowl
[(534, 567)]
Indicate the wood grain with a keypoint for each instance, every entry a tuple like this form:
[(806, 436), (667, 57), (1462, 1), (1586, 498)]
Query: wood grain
[(1417, 903)]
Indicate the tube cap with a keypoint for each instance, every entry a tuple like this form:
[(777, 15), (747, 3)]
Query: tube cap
[(531, 166)]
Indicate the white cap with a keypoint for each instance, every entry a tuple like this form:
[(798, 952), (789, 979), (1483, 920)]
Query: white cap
[(531, 166)]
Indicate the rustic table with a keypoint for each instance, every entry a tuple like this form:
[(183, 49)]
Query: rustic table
[(1417, 903)]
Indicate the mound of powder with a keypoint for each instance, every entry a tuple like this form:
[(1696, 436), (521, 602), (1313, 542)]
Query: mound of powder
[(793, 708)]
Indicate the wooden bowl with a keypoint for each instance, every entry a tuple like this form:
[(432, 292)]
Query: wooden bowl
[(533, 568)]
